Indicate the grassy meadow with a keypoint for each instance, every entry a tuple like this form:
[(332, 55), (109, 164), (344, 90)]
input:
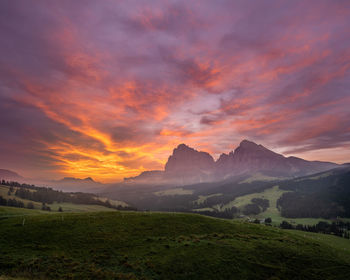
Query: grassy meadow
[(134, 245), (271, 194)]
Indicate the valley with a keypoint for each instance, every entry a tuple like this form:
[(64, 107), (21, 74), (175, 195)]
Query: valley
[(150, 229)]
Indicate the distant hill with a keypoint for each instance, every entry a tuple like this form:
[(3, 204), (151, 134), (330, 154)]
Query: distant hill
[(18, 195), (9, 175), (69, 184), (72, 184), (188, 166)]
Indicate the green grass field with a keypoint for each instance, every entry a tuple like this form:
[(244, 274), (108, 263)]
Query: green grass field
[(340, 246), (114, 202), (258, 177), (203, 198), (131, 245), (14, 211), (175, 191), (271, 194), (70, 207)]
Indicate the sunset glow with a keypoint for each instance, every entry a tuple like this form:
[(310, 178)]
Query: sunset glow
[(107, 91)]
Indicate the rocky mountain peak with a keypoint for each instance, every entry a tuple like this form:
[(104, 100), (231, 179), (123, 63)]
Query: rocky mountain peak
[(184, 157), (183, 147), (248, 144), (89, 179), (251, 146), (189, 164)]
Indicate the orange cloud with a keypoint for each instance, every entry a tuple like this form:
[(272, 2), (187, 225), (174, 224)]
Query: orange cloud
[(109, 94)]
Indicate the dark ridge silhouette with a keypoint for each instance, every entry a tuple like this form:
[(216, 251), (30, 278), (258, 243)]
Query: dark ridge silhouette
[(9, 175)]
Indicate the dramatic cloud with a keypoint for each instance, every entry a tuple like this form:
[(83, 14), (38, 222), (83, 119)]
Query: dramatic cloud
[(107, 88)]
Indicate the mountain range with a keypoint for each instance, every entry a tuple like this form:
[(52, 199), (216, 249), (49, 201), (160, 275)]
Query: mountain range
[(72, 184), (69, 184), (188, 166), (251, 180)]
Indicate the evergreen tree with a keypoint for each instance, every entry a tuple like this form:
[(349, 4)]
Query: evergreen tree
[(30, 205)]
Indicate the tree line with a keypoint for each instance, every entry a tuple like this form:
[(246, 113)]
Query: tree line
[(256, 206), (228, 213), (12, 202), (300, 205), (326, 197), (338, 228)]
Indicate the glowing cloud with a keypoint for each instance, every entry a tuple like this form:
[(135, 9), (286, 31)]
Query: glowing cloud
[(107, 90)]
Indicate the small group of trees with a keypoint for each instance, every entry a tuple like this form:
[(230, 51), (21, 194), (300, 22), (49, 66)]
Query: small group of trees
[(338, 228), (266, 221), (228, 213), (12, 202), (256, 206), (251, 209), (30, 205), (44, 207), (11, 190)]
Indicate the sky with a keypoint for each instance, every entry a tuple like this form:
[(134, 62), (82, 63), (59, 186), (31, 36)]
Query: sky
[(107, 89)]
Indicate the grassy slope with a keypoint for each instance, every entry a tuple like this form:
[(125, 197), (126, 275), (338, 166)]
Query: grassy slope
[(258, 177), (14, 211), (71, 207), (114, 202), (67, 207), (175, 191), (272, 194), (4, 193), (340, 246), (203, 198), (160, 246)]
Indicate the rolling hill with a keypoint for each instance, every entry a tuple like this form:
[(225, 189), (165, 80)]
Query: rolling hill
[(18, 195), (121, 245)]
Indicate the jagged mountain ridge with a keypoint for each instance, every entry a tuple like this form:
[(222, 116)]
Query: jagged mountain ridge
[(187, 165), (76, 184), (249, 157)]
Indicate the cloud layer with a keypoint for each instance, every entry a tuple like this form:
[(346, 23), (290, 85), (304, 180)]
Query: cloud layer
[(107, 89)]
